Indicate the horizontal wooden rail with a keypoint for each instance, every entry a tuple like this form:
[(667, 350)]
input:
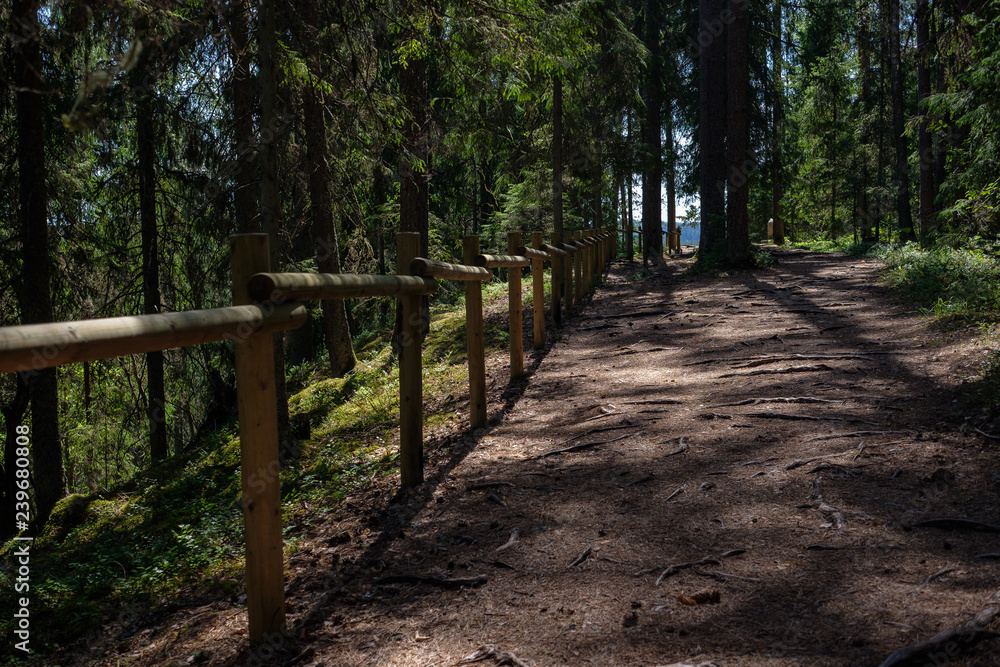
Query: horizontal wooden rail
[(552, 250), (35, 346), (531, 253), (310, 286), (431, 268), (502, 261), (570, 248)]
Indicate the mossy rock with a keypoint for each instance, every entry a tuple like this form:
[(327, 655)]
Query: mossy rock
[(68, 513)]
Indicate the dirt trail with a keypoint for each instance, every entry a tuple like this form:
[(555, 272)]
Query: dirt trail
[(799, 562)]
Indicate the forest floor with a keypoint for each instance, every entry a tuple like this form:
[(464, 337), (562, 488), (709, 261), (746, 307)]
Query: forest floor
[(774, 435)]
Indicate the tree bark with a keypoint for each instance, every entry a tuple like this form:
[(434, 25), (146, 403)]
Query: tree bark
[(35, 292), (335, 326), (671, 173), (244, 102), (13, 414), (630, 223), (557, 182), (652, 174), (903, 211), (925, 150), (270, 203), (145, 136), (778, 176), (738, 184), (712, 126)]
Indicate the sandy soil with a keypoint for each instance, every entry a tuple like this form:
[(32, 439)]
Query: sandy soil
[(792, 521)]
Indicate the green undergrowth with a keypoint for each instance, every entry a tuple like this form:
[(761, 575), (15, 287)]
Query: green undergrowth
[(844, 244), (110, 564)]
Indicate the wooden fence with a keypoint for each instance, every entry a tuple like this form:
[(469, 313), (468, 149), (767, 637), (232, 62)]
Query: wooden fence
[(266, 302)]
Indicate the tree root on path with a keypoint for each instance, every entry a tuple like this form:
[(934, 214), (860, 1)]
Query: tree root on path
[(854, 434), (804, 462), (811, 418), (949, 644), (583, 445), (780, 371), (777, 399)]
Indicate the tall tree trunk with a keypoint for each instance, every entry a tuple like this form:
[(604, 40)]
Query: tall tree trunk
[(903, 211), (778, 176), (270, 204), (738, 185), (630, 223), (925, 150), (671, 168), (244, 102), (335, 326), (145, 137), (35, 292), (557, 182), (597, 191), (652, 174), (712, 125), (414, 170)]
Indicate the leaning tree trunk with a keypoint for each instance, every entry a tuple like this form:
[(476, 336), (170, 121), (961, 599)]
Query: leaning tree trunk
[(335, 326), (738, 186), (36, 303), (712, 129)]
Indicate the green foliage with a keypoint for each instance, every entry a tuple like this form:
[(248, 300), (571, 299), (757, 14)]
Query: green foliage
[(945, 281)]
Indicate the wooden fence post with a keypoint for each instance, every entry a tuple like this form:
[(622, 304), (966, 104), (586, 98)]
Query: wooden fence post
[(557, 280), (259, 464), (411, 391), (474, 337), (515, 317), (538, 292)]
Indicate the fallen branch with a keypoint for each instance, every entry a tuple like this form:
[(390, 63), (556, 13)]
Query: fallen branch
[(804, 462), (441, 582), (647, 478), (584, 555), (992, 556), (514, 534), (781, 371), (985, 434), (811, 418), (606, 325), (831, 547), (676, 493), (958, 524), (940, 573), (654, 401), (853, 434), (681, 448), (581, 446), (834, 515), (601, 429), (953, 642), (489, 651)]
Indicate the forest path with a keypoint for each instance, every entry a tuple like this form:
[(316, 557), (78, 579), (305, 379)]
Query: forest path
[(653, 382), (809, 564)]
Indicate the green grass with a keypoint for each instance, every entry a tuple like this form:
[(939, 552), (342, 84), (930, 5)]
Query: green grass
[(844, 244), (175, 535)]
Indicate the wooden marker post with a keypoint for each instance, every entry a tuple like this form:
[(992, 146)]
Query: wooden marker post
[(579, 265), (516, 316), (538, 292), (557, 281), (474, 337), (411, 391), (259, 464)]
